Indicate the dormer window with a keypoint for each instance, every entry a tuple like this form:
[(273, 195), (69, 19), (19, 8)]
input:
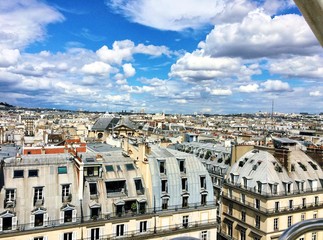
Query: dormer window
[(313, 184), (164, 186), (288, 187), (301, 186), (203, 182), (234, 178), (162, 167), (181, 164)]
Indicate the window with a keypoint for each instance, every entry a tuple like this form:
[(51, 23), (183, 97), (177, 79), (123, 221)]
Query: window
[(203, 182), (120, 230), (62, 170), (33, 173), (68, 236), (289, 221), (93, 189), (314, 236), (276, 206), (95, 233), (301, 186), (164, 186), (65, 190), (230, 208), (39, 220), (10, 198), (257, 221), (185, 221), (288, 187), (203, 199), (315, 214), (257, 203), (204, 235), (165, 203), (38, 196), (303, 216), (316, 200), (229, 225), (162, 167), (242, 234), (184, 184), (181, 164), (304, 202), (38, 238), (143, 226), (129, 167), (109, 168), (18, 173), (259, 187), (275, 224), (139, 187), (185, 201), (243, 216), (242, 198)]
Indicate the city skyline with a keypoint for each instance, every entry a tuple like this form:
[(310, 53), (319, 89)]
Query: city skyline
[(190, 56)]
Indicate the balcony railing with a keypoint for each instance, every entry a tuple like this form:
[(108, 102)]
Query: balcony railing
[(275, 194), (149, 212), (295, 207)]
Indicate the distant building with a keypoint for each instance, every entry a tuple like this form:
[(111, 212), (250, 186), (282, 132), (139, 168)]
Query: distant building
[(269, 189)]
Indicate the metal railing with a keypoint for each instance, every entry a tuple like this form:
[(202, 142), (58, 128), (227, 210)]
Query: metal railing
[(149, 212), (274, 194), (294, 207)]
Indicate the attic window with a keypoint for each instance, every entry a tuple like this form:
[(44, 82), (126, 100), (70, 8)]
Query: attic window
[(314, 166), (302, 166), (129, 167), (254, 167), (241, 163), (278, 168), (109, 168)]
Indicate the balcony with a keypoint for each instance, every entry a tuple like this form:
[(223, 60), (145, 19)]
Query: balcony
[(274, 211)]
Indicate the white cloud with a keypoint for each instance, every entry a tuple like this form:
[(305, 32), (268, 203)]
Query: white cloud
[(315, 94), (9, 57), (196, 67), (298, 66), (99, 68), (250, 88), (259, 35), (23, 22), (128, 70), (275, 86), (124, 50), (220, 92), (168, 14)]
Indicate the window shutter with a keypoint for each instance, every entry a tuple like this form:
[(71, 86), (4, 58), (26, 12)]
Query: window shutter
[(32, 221), (14, 223), (45, 237), (0, 223), (61, 236), (45, 219), (61, 219), (89, 234), (101, 232), (125, 233), (74, 215)]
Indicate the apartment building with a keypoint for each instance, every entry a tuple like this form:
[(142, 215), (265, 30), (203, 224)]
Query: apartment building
[(105, 194), (269, 189)]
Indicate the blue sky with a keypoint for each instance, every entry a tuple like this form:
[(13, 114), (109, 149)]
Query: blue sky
[(184, 56)]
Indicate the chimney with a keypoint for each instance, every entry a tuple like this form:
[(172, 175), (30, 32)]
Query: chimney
[(283, 155)]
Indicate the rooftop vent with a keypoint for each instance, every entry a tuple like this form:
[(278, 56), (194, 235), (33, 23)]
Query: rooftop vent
[(241, 163)]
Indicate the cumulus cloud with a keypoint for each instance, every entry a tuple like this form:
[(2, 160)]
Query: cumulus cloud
[(168, 14), (298, 66), (128, 70), (124, 50), (9, 57), (100, 68), (196, 67), (259, 35), (275, 86), (250, 88), (23, 22)]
